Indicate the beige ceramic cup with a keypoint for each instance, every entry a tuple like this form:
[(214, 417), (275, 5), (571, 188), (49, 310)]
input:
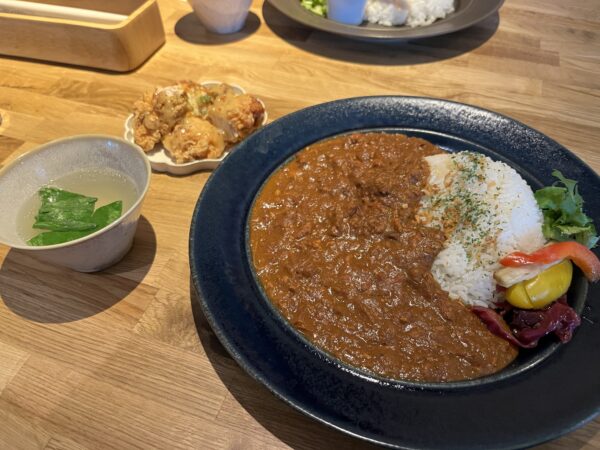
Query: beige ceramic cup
[(221, 16)]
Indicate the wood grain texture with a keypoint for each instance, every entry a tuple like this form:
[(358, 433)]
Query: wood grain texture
[(124, 359)]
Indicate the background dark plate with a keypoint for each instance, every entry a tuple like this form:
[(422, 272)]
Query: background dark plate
[(533, 403), (468, 13)]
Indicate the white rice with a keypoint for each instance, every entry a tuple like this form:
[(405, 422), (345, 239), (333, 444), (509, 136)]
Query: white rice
[(413, 13), (486, 211)]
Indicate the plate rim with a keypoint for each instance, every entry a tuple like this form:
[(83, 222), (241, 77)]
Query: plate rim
[(251, 368)]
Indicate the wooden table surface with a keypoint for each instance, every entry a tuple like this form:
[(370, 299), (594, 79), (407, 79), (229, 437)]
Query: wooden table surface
[(123, 359)]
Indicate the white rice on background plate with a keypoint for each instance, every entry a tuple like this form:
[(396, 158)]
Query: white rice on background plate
[(413, 13), (486, 211)]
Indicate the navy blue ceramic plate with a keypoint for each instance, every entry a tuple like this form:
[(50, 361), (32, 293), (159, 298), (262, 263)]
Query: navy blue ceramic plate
[(545, 393)]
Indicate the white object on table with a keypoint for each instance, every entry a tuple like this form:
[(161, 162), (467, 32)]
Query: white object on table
[(59, 12), (221, 16), (350, 12)]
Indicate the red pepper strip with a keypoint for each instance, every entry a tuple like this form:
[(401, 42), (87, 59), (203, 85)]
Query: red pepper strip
[(576, 252)]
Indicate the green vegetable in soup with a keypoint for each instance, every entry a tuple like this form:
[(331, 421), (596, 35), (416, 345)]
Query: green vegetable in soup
[(70, 216), (107, 214), (64, 211), (564, 219), (317, 6)]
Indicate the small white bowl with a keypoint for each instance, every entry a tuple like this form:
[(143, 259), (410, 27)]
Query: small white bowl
[(159, 157), (21, 180)]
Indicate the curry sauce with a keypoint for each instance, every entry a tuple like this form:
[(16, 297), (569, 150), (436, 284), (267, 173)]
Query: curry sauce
[(338, 251)]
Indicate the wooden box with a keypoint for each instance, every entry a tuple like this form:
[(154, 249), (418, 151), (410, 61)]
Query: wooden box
[(33, 30)]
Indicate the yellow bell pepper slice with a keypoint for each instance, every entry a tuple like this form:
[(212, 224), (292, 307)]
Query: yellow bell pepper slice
[(542, 289), (517, 296)]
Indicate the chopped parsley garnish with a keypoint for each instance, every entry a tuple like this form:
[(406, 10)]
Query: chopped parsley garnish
[(462, 206)]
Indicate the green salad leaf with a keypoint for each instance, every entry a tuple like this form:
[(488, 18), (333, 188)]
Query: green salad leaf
[(564, 219), (317, 6), (70, 216)]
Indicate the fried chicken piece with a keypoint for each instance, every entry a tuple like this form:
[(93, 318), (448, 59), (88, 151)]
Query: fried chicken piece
[(146, 124), (194, 138), (198, 98), (170, 104), (158, 112), (236, 115), (179, 116)]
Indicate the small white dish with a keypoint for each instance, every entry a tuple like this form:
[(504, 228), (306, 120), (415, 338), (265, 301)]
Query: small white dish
[(159, 158)]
